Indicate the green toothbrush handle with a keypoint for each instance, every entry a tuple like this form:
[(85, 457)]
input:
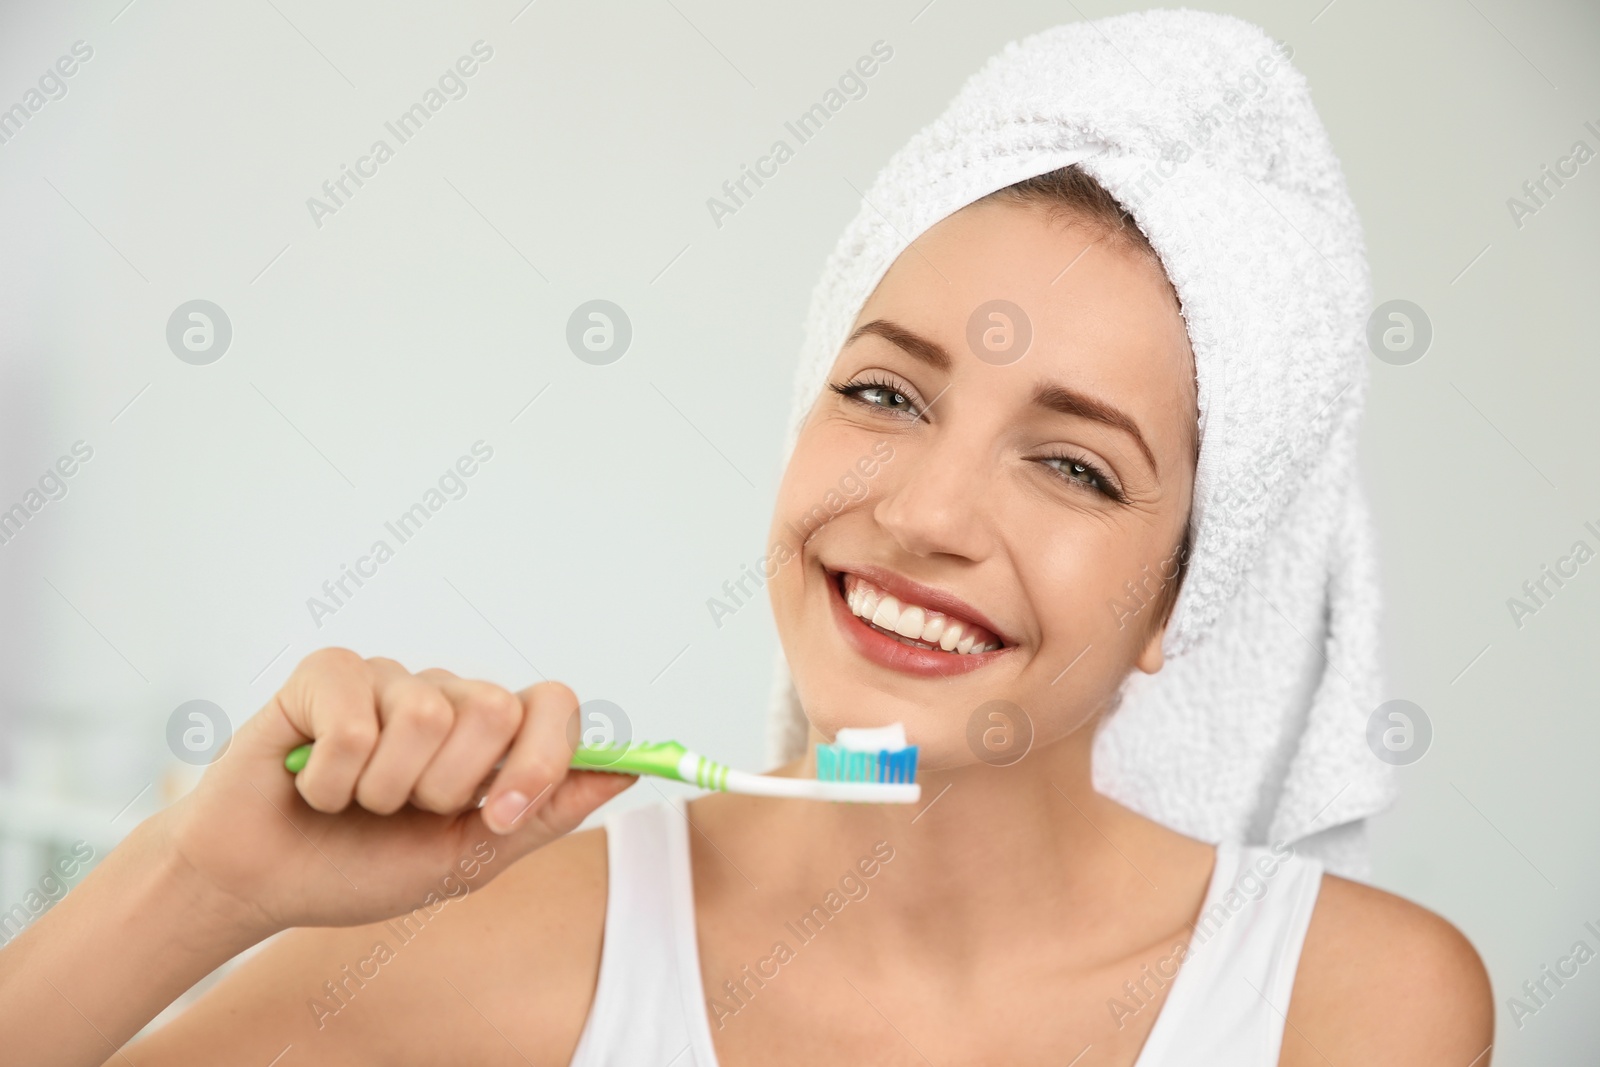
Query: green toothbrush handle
[(295, 761), (660, 759)]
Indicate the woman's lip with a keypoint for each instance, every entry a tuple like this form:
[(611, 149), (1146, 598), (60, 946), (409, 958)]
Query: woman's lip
[(908, 592), (887, 652)]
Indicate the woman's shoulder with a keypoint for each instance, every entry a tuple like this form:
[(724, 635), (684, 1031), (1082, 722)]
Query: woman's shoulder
[(1382, 980)]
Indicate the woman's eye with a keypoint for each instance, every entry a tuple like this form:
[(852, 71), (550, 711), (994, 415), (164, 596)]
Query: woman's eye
[(1085, 473), (884, 397), (878, 395)]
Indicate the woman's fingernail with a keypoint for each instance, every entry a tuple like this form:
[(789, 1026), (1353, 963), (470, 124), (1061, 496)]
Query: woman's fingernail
[(505, 810)]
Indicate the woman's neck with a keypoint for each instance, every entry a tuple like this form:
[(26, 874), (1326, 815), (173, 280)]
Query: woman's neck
[(993, 860)]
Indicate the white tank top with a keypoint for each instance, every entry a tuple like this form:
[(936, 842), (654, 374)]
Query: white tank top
[(1226, 1003)]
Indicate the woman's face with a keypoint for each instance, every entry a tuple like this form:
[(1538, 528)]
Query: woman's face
[(942, 480)]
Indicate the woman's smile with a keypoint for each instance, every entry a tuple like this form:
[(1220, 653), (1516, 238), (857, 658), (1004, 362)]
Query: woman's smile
[(906, 626)]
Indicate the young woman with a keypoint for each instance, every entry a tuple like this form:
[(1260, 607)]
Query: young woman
[(1015, 916)]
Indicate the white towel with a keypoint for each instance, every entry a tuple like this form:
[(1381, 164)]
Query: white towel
[(1255, 729)]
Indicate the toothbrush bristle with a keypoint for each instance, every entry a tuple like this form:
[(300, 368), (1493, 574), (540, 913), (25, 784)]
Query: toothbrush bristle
[(835, 764)]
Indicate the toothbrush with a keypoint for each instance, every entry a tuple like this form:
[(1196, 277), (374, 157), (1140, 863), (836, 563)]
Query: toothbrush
[(865, 766)]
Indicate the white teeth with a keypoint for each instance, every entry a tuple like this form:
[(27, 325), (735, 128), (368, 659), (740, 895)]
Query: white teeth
[(910, 623)]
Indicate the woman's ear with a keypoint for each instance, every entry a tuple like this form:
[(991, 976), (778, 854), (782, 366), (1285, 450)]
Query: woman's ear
[(1151, 658)]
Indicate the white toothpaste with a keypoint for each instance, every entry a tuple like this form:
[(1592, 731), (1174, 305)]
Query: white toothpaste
[(889, 738)]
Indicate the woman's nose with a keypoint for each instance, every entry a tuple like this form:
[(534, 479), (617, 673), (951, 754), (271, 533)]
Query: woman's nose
[(937, 503)]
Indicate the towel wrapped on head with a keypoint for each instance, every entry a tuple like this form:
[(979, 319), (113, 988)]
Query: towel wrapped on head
[(1255, 729)]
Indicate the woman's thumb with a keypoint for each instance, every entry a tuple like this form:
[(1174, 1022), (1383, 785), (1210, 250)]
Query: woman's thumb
[(578, 795)]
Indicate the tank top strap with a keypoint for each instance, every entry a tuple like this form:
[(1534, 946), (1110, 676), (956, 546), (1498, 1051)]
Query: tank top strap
[(1229, 1000), (648, 1005)]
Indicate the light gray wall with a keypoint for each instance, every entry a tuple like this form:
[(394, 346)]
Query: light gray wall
[(372, 351)]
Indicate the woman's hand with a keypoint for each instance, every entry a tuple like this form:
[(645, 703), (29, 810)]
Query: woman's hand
[(385, 813)]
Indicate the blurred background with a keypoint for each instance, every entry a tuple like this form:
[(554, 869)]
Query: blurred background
[(228, 368)]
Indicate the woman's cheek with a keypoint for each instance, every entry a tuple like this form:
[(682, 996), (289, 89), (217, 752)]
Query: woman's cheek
[(1077, 593)]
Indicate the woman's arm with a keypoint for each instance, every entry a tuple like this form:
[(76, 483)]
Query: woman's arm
[(382, 821), (499, 973), (136, 932)]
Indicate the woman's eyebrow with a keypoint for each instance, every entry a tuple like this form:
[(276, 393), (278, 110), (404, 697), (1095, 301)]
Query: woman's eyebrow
[(929, 352), (1053, 396)]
